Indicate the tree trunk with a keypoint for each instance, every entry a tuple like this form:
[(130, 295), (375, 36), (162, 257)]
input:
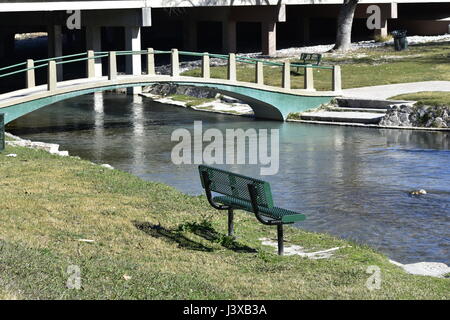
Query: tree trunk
[(344, 27)]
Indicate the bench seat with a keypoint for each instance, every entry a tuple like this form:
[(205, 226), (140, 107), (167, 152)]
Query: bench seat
[(284, 215)]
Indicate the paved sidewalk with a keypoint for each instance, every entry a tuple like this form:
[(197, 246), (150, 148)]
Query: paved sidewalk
[(390, 90)]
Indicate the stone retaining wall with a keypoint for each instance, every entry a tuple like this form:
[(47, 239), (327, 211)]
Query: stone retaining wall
[(417, 116)]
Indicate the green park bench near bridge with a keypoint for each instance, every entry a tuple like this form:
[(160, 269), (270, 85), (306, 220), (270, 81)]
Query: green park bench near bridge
[(267, 102), (248, 194), (309, 59)]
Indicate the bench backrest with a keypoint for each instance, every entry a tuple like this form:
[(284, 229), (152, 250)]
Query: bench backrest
[(310, 57), (236, 185)]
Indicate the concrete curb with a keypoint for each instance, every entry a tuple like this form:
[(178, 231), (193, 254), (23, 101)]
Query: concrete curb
[(372, 126)]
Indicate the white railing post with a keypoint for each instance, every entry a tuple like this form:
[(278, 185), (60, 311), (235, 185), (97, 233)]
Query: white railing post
[(112, 65), (259, 73), (232, 67), (52, 78), (206, 71), (309, 78), (150, 62), (90, 64), (286, 83), (175, 62), (337, 78), (31, 82)]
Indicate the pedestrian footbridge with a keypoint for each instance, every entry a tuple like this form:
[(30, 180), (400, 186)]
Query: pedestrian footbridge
[(268, 102)]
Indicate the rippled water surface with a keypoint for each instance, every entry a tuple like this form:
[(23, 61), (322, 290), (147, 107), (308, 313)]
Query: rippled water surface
[(350, 182)]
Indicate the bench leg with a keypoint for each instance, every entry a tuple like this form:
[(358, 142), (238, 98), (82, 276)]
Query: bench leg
[(280, 239), (230, 222)]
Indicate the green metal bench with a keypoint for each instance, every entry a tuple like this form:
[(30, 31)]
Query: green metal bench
[(239, 192), (310, 59)]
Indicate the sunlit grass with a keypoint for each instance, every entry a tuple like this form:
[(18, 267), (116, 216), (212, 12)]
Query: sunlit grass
[(189, 100), (364, 67), (430, 98), (142, 248), (272, 76)]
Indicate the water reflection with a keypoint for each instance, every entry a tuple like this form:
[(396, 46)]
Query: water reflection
[(138, 139), (351, 182), (99, 125)]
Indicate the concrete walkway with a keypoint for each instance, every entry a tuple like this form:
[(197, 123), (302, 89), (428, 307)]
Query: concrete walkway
[(390, 90)]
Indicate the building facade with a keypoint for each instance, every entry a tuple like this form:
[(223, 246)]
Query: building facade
[(207, 25)]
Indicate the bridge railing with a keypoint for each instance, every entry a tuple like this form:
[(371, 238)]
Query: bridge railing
[(259, 64), (91, 58)]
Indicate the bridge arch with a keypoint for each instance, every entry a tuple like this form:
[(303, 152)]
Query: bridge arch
[(267, 104)]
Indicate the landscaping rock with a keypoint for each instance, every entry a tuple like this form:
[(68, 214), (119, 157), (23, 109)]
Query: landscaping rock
[(166, 89), (162, 93), (432, 269), (439, 123), (231, 100), (49, 147), (417, 116)]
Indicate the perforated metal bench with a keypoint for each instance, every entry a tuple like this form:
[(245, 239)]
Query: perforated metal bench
[(310, 59), (236, 191)]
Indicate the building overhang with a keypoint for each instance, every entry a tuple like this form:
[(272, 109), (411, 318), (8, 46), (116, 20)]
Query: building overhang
[(56, 5), (72, 5)]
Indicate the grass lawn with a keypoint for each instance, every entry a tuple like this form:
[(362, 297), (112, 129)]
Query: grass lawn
[(190, 101), (364, 67), (151, 242), (429, 98)]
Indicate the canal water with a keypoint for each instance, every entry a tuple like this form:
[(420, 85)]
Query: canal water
[(351, 182)]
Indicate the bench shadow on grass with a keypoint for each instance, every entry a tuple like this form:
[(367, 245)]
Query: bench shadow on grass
[(297, 73), (202, 230), (157, 231), (207, 232)]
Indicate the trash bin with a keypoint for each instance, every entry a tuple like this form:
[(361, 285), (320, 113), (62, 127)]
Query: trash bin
[(400, 40), (2, 132)]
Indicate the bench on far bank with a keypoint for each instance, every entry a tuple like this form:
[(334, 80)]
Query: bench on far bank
[(238, 192), (313, 59)]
